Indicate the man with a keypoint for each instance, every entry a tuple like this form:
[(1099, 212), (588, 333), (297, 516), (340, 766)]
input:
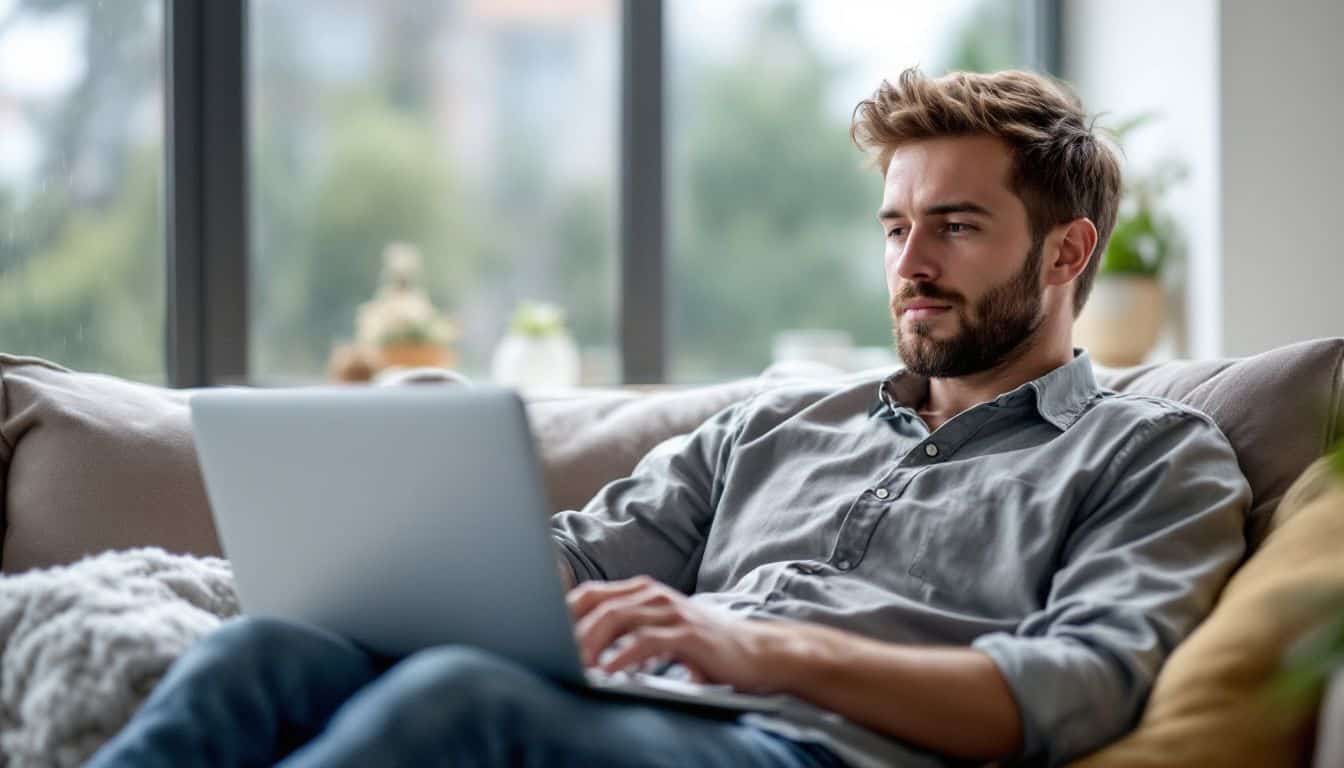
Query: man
[(983, 556)]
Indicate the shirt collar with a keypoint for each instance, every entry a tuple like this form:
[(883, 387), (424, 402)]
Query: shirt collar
[(1061, 395)]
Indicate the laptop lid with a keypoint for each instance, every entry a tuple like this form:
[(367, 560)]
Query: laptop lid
[(398, 517)]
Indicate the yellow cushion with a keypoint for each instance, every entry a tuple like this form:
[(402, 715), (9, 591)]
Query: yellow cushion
[(1209, 705)]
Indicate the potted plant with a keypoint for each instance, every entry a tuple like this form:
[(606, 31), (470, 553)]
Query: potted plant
[(1124, 314), (537, 351), (399, 327)]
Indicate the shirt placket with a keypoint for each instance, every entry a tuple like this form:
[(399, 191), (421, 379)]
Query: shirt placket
[(863, 516)]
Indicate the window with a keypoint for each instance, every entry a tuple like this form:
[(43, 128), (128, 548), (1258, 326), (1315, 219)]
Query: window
[(481, 135), (771, 208), (81, 229)]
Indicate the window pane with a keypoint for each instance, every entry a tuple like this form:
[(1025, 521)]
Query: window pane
[(81, 228), (477, 135), (773, 212)]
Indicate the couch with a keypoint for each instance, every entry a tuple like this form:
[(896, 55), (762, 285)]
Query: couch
[(91, 463)]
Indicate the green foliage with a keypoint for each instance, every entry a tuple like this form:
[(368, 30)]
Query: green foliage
[(1145, 237), (1311, 662), (979, 42), (87, 300), (773, 218), (537, 319), (1138, 246)]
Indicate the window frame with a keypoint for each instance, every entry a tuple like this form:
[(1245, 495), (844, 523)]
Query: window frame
[(206, 186)]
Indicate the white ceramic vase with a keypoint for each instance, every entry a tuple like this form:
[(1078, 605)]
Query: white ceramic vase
[(536, 362), (1122, 319)]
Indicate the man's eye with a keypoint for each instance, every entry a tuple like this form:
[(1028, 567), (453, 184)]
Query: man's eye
[(956, 227), (896, 232)]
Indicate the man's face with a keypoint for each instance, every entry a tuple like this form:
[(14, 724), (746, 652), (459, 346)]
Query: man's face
[(962, 271)]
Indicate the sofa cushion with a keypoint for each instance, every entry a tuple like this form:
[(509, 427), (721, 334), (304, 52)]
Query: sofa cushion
[(92, 463), (1280, 409), (1212, 702)]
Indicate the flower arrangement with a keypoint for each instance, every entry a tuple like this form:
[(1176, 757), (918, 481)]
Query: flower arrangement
[(401, 312), (399, 327)]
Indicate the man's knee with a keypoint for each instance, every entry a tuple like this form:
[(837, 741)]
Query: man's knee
[(460, 688), (461, 672), (255, 636)]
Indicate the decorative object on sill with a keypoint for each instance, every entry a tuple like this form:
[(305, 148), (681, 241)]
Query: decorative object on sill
[(399, 327), (1125, 312), (537, 352)]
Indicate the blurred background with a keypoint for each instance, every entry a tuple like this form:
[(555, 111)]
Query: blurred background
[(450, 175)]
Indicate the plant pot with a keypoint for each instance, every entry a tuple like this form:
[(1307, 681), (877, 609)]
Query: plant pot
[(536, 361), (1122, 319), (414, 356)]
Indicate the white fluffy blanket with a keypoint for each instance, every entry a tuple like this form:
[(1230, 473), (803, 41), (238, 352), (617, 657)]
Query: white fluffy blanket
[(82, 645)]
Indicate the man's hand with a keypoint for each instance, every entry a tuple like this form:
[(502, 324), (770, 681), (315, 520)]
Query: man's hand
[(660, 623), (948, 699)]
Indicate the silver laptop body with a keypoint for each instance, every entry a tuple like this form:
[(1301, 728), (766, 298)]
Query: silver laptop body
[(402, 518)]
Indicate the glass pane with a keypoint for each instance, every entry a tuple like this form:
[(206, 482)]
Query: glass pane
[(775, 251), (81, 228), (466, 148)]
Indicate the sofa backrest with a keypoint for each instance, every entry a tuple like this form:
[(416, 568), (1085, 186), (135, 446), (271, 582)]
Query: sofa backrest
[(1280, 410), (91, 462)]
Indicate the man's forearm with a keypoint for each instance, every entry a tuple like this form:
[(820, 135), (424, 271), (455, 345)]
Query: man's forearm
[(946, 699)]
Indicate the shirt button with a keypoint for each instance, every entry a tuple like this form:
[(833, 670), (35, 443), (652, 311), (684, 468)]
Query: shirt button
[(931, 450), (843, 565), (881, 493)]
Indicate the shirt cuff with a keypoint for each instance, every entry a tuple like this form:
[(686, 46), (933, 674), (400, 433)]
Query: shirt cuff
[(1055, 683)]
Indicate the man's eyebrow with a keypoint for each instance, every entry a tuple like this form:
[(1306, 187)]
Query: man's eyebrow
[(941, 209)]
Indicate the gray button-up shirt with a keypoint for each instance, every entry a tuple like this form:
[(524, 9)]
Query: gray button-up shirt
[(1073, 534)]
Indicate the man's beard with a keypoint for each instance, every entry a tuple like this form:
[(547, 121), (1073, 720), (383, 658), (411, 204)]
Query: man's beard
[(1005, 317)]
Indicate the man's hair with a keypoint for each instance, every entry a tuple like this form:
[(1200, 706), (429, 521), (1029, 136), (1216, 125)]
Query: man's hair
[(1061, 170)]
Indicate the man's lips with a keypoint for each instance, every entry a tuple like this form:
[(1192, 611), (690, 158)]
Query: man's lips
[(922, 309)]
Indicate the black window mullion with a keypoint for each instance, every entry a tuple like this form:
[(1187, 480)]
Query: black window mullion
[(205, 192), (642, 225)]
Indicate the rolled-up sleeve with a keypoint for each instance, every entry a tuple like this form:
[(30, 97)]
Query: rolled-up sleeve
[(654, 522), (1143, 563)]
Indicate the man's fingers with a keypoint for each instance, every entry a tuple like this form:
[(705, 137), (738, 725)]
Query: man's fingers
[(650, 643), (591, 594), (599, 629)]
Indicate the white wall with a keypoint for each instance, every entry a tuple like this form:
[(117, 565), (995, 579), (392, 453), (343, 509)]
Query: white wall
[(1128, 58), (1282, 196), (1253, 98)]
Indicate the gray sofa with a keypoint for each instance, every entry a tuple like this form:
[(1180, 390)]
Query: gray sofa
[(91, 463)]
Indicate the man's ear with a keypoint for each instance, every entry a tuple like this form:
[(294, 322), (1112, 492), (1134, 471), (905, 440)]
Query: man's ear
[(1068, 250)]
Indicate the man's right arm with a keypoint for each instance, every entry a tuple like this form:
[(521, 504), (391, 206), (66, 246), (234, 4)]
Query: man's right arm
[(655, 521)]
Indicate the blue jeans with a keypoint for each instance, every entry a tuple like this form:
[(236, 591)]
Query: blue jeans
[(262, 692)]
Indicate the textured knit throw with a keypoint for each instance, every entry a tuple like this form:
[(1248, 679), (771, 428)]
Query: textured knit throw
[(82, 645)]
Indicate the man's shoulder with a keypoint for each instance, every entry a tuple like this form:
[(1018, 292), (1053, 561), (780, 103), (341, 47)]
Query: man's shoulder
[(1144, 407), (1144, 415), (839, 395)]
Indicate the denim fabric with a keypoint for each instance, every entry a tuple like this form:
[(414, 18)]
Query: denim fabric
[(264, 692)]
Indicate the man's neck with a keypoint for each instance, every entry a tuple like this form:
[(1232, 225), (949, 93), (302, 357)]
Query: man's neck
[(949, 397)]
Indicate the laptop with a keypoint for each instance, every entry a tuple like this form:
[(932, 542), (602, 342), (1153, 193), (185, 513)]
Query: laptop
[(404, 518)]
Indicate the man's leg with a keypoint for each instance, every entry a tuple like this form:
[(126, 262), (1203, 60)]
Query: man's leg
[(244, 695), (464, 707)]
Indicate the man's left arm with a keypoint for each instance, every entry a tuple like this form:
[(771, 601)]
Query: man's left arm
[(1139, 570)]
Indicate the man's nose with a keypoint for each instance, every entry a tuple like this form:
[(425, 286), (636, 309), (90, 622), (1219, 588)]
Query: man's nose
[(916, 258)]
